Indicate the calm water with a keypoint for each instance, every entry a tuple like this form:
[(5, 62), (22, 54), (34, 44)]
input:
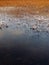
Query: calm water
[(30, 48)]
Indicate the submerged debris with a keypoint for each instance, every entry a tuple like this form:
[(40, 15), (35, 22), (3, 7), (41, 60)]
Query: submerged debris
[(48, 25), (0, 27), (9, 19), (34, 27), (3, 25), (6, 26)]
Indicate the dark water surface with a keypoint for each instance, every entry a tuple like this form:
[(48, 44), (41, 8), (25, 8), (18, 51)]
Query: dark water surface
[(24, 49)]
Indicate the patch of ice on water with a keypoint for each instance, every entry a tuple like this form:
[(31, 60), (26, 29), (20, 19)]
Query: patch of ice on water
[(26, 23)]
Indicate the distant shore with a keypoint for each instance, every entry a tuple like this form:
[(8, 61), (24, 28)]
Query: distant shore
[(18, 11), (24, 2)]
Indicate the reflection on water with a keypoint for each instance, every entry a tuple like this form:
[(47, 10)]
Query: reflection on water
[(22, 45)]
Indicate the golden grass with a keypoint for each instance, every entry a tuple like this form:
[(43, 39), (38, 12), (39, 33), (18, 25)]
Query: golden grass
[(34, 6), (24, 2)]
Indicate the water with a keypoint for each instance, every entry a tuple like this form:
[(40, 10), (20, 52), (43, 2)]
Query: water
[(20, 44)]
